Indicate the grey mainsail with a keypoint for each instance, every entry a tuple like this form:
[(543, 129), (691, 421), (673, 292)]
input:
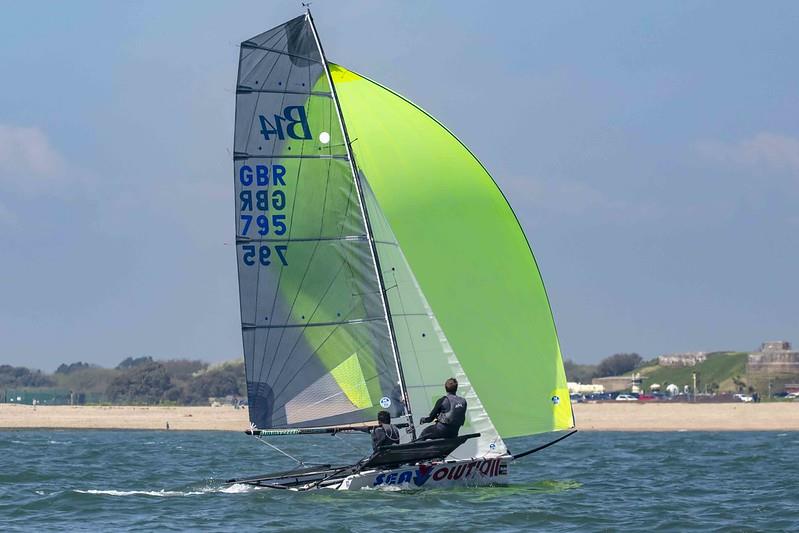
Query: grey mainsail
[(317, 344)]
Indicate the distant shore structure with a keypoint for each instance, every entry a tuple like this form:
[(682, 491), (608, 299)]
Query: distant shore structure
[(613, 383), (774, 357), (584, 388), (682, 359)]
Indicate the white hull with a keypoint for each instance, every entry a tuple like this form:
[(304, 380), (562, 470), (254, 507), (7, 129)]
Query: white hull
[(466, 473)]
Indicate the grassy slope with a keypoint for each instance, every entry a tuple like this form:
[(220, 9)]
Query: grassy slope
[(719, 368)]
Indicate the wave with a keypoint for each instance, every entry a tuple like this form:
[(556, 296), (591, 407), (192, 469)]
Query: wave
[(236, 488), (162, 493)]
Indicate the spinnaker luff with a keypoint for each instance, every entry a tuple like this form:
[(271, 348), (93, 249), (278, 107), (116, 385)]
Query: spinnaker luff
[(376, 258)]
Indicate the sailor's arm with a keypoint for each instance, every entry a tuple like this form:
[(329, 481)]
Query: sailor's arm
[(434, 413)]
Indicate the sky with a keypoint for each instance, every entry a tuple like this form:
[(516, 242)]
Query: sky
[(650, 151)]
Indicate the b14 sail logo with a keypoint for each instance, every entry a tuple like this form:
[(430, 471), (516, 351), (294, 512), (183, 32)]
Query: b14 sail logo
[(293, 123), (453, 472)]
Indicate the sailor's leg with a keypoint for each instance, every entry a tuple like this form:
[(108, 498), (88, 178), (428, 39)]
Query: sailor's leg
[(428, 433), (436, 431), (448, 432)]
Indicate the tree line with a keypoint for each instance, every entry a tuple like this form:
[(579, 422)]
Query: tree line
[(143, 380), (139, 380), (614, 365)]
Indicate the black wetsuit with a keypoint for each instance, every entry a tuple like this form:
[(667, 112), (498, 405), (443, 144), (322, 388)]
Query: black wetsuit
[(450, 412), (385, 434)]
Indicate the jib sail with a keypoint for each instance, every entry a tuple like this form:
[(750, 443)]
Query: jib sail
[(427, 357), (485, 307)]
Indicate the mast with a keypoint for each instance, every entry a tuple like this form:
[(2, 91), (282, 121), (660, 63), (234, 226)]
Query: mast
[(369, 234)]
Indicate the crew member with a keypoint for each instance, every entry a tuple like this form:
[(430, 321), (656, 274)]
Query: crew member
[(449, 412), (386, 433)]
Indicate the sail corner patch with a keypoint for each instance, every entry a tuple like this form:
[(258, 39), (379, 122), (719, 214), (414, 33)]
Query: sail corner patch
[(341, 74), (349, 377)]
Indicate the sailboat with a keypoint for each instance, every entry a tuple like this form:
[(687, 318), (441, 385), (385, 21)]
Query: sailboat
[(377, 258)]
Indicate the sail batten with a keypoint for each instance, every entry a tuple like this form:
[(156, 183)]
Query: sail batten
[(312, 324), (241, 89), (304, 239), (242, 156), (275, 51)]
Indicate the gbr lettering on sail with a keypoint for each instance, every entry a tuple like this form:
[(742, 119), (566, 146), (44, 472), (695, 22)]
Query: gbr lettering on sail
[(262, 198)]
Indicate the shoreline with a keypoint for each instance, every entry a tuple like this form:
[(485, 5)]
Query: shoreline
[(608, 416), (651, 416)]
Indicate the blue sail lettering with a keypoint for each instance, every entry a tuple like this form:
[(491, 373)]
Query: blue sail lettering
[(262, 175), (291, 123), (245, 175), (246, 200), (278, 171), (278, 200), (261, 201), (295, 118)]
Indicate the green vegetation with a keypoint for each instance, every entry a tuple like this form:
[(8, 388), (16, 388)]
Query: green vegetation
[(146, 383), (614, 365), (618, 364), (17, 376), (579, 373), (89, 379), (218, 381), (722, 372), (139, 380)]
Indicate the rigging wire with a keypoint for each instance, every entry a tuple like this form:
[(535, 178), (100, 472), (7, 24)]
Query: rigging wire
[(299, 461), (352, 447)]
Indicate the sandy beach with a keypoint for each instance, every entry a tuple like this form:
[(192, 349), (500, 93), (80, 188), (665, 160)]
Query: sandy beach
[(590, 417), (635, 416), (123, 417)]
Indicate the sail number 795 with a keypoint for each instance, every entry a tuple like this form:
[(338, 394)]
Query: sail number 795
[(261, 213), (263, 254)]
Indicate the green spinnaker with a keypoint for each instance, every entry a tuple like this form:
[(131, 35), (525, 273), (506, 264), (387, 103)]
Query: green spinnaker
[(468, 253)]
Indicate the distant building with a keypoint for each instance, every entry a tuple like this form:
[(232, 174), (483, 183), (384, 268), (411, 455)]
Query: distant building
[(682, 359), (613, 383), (775, 346), (584, 388), (42, 396), (774, 357)]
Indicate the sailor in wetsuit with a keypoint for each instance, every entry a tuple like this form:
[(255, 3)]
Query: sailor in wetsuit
[(449, 413), (386, 433)]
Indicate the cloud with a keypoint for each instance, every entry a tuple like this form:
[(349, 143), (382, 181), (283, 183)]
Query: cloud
[(566, 197), (770, 150), (28, 161)]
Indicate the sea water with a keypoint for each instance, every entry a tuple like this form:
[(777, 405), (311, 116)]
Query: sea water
[(170, 480)]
